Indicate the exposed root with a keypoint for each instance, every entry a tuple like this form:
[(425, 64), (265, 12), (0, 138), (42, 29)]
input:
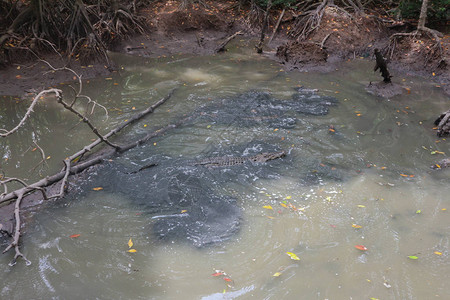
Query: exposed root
[(309, 21), (436, 51)]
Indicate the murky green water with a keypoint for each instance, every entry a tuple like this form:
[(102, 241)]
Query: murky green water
[(393, 136)]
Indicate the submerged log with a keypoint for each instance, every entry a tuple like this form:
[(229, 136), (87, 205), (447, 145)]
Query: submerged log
[(443, 124)]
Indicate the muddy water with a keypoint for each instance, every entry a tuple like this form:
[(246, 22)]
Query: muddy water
[(385, 198)]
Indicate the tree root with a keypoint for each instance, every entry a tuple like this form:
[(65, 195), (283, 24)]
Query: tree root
[(435, 35)]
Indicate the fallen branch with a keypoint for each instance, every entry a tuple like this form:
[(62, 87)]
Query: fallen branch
[(6, 198), (277, 25), (69, 169), (15, 241), (222, 46)]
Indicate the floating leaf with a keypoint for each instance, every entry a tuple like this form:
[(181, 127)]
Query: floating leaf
[(183, 211), (218, 274), (130, 243), (132, 251), (209, 126), (277, 274), (284, 205), (362, 206), (413, 257), (288, 197), (418, 211), (361, 247), (293, 256), (267, 207), (227, 279), (356, 226), (74, 236), (98, 188), (437, 253)]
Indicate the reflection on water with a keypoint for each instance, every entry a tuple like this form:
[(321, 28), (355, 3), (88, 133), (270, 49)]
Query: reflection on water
[(365, 182)]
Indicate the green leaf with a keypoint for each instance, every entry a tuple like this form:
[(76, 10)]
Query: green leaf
[(413, 257)]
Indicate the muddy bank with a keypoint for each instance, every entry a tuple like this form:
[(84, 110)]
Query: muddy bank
[(200, 30)]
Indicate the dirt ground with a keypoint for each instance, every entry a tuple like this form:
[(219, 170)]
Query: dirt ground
[(201, 29)]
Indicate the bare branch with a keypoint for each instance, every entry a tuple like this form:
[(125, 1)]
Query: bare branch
[(15, 241), (29, 111)]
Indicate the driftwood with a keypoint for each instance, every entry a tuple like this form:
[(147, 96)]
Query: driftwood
[(69, 169), (222, 46), (443, 124), (74, 163)]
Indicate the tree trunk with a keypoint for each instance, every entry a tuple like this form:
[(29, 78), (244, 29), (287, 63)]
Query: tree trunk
[(264, 27), (423, 15)]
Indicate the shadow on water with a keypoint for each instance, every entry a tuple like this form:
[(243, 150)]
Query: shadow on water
[(186, 199)]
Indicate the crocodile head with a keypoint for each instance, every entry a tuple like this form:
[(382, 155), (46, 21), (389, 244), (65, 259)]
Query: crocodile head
[(266, 156)]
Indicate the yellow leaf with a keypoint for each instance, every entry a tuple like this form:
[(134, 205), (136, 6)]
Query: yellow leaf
[(270, 217), (356, 226), (183, 211), (209, 126), (132, 251), (288, 197), (293, 256), (284, 205), (48, 157), (267, 207), (277, 274), (437, 253), (130, 243), (361, 205), (98, 188)]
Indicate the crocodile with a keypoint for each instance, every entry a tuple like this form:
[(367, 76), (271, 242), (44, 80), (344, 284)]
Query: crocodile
[(226, 161)]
